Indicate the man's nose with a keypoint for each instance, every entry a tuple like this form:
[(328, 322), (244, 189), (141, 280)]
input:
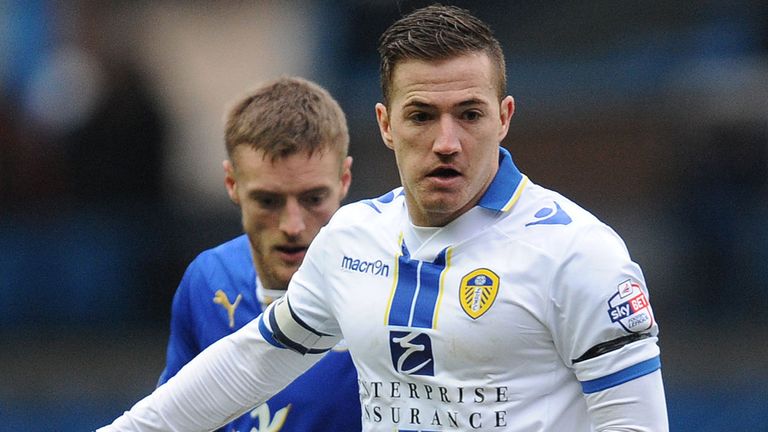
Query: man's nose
[(292, 219), (447, 139)]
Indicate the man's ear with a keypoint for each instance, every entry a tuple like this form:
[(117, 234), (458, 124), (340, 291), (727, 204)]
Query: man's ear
[(230, 182), (506, 111), (382, 117), (346, 176)]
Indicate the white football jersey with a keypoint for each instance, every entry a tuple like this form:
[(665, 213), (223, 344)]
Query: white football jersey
[(501, 320)]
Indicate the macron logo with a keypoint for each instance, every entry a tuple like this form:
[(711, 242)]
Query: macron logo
[(376, 268)]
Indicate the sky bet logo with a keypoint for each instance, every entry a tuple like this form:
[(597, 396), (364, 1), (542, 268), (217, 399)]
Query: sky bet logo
[(411, 353), (630, 308)]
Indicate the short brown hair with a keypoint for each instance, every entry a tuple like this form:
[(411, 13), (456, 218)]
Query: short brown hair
[(437, 32), (287, 116)]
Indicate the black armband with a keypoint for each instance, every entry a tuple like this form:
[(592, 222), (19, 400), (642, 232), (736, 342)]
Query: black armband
[(611, 345)]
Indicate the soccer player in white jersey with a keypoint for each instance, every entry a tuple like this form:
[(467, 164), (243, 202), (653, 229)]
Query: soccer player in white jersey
[(470, 298)]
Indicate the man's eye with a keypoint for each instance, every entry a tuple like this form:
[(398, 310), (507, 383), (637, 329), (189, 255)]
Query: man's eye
[(266, 202), (419, 117), (472, 115), (313, 200)]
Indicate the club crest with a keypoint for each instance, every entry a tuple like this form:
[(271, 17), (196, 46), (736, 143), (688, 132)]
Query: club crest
[(477, 292)]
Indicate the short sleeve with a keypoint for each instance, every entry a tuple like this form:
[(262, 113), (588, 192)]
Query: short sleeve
[(601, 318)]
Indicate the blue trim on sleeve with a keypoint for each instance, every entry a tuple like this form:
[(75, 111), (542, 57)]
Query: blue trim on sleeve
[(622, 376), (267, 335)]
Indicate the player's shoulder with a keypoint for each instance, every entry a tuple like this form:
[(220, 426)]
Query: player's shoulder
[(228, 265), (539, 206), (234, 250), (369, 213), (546, 217)]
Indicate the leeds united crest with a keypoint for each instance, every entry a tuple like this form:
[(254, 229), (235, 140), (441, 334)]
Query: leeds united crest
[(477, 292)]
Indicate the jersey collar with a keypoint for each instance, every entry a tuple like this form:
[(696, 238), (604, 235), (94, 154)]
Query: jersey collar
[(506, 187), (266, 296)]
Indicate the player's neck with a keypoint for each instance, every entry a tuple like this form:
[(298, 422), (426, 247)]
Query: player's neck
[(267, 295)]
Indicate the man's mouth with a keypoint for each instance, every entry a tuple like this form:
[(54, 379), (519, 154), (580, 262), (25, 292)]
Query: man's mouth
[(444, 173), (291, 254)]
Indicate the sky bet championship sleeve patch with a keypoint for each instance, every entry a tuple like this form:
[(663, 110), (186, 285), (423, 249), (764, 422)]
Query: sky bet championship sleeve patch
[(630, 308)]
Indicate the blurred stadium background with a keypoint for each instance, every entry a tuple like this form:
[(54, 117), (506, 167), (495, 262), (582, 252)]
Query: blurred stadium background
[(652, 114)]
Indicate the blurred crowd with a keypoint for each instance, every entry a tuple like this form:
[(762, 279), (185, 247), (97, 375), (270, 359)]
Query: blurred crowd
[(654, 116)]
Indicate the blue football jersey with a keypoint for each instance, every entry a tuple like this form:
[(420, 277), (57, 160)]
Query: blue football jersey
[(217, 296)]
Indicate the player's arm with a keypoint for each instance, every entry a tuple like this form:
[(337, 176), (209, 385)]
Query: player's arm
[(223, 382), (182, 343), (637, 406), (605, 330), (243, 369)]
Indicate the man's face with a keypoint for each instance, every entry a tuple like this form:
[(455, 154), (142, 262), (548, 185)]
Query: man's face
[(445, 124), (284, 203)]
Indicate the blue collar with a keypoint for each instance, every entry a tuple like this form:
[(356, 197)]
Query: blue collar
[(506, 186)]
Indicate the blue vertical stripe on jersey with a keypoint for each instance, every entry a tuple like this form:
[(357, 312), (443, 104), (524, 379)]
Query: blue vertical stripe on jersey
[(622, 376), (446, 256), (405, 292), (426, 301), (414, 302)]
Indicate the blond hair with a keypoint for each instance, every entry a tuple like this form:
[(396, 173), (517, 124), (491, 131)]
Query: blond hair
[(287, 116)]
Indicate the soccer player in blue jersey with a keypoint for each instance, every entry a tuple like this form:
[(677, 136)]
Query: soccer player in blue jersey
[(288, 171), (471, 298)]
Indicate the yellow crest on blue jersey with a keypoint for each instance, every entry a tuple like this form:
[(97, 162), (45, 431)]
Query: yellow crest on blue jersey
[(477, 292)]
